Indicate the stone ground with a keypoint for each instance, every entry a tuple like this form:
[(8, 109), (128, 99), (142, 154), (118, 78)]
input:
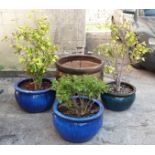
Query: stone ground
[(134, 126)]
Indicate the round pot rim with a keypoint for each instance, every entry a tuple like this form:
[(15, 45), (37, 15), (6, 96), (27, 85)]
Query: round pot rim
[(94, 69), (122, 95), (83, 119), (17, 88)]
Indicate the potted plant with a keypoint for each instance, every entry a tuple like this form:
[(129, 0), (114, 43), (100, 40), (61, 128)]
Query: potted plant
[(36, 52), (77, 114), (123, 44)]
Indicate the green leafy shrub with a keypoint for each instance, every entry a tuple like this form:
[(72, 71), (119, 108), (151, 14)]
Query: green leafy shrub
[(1, 67), (84, 85), (123, 43), (34, 48)]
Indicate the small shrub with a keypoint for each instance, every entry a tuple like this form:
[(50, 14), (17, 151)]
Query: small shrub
[(84, 85), (123, 43), (1, 67), (34, 48)]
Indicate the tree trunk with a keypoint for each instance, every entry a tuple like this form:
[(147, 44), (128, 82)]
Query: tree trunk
[(118, 85), (37, 83)]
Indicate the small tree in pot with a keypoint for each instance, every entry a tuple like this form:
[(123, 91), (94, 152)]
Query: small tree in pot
[(77, 116), (123, 43), (36, 52)]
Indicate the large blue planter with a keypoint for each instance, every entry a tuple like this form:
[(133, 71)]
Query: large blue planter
[(116, 102), (77, 130), (34, 101)]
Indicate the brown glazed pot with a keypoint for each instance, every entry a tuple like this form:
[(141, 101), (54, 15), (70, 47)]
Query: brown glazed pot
[(80, 64)]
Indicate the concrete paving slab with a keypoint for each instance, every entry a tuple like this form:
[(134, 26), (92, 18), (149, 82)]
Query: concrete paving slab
[(134, 126)]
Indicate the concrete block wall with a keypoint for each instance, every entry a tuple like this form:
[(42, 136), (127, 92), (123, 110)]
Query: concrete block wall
[(93, 39), (67, 30)]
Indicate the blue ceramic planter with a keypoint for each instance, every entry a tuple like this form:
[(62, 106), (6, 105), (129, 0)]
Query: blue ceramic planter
[(34, 101), (117, 102), (77, 130)]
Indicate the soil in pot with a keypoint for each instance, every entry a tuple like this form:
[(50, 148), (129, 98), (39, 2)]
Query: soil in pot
[(29, 85), (80, 64), (79, 108), (124, 89)]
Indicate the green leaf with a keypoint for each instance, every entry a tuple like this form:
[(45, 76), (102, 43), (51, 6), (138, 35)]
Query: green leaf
[(35, 49)]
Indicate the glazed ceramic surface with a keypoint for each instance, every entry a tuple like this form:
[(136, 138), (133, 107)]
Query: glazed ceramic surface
[(117, 102), (77, 130), (34, 101)]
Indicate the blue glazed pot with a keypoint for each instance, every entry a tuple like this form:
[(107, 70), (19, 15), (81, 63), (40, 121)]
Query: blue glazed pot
[(119, 102), (34, 101), (77, 130)]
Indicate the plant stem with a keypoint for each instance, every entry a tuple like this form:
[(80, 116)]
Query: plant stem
[(37, 83), (116, 75), (118, 79)]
